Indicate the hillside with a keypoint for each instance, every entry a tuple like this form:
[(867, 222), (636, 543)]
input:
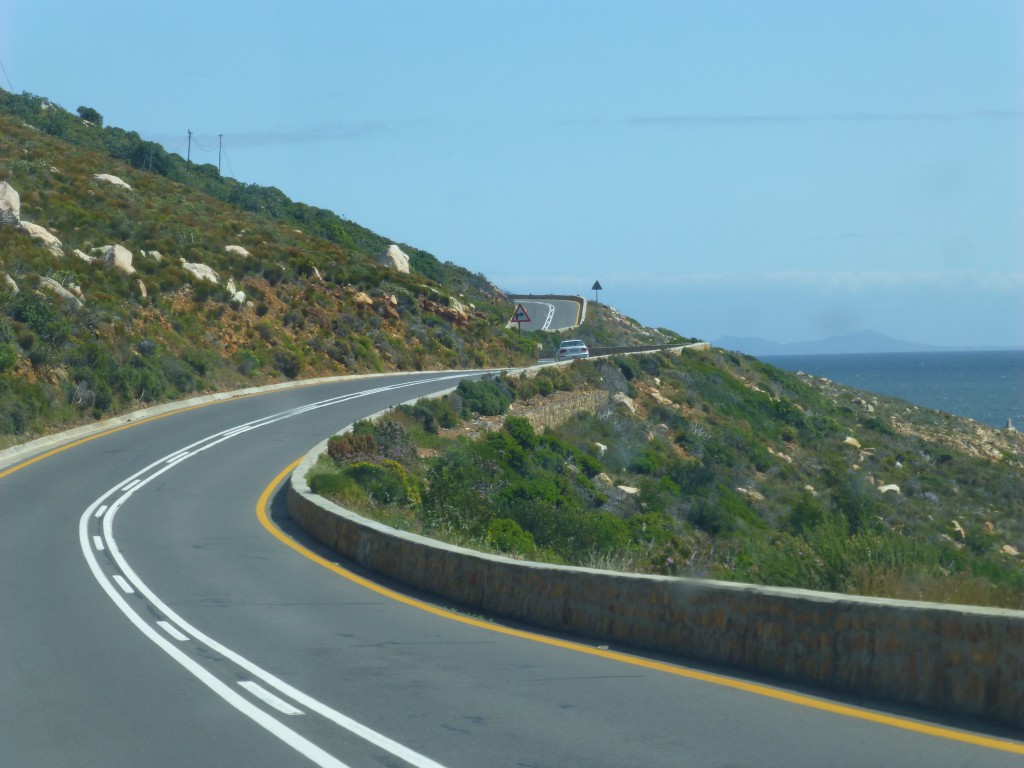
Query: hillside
[(129, 277), (708, 464)]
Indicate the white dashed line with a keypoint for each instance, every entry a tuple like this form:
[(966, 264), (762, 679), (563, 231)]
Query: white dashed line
[(97, 541), (122, 582), (267, 697), (101, 510), (172, 630)]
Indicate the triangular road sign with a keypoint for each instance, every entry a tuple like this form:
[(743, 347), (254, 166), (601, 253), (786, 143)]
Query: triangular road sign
[(520, 315), (596, 286)]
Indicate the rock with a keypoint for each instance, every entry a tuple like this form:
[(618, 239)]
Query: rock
[(751, 494), (200, 271), (231, 287), (142, 288), (10, 284), (989, 528), (1008, 549), (603, 479), (10, 204), (61, 292), (119, 257), (959, 530), (625, 401), (238, 298), (317, 275), (236, 250), (154, 255), (628, 490), (868, 408), (53, 245), (111, 180), (852, 442), (396, 259), (891, 487), (83, 256), (810, 490), (361, 299), (601, 448)]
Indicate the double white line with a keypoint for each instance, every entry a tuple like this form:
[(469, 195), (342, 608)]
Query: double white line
[(171, 631)]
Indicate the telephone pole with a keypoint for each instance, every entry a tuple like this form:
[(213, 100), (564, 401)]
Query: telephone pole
[(188, 157), (220, 146)]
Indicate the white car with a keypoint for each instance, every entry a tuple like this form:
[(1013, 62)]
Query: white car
[(570, 349)]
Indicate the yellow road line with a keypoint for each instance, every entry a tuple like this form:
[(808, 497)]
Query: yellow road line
[(906, 724)]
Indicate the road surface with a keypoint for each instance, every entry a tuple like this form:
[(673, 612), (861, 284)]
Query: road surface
[(550, 314), (150, 617)]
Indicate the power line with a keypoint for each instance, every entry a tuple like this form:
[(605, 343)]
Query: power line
[(5, 76)]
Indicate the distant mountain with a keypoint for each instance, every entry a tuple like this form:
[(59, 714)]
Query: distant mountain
[(851, 343)]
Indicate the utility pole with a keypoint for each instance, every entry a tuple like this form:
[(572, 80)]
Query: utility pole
[(220, 146), (188, 157)]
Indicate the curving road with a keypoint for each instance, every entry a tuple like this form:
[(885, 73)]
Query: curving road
[(550, 314), (151, 615)]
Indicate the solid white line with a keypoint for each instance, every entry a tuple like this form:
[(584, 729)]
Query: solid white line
[(172, 630), (98, 543), (293, 739), (263, 694), (297, 742)]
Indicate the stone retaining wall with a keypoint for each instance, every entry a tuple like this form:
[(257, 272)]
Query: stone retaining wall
[(964, 660)]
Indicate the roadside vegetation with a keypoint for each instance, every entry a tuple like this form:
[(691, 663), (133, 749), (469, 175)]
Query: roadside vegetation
[(708, 464)]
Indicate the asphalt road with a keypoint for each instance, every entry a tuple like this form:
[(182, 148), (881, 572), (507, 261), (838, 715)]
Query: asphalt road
[(148, 617), (549, 314)]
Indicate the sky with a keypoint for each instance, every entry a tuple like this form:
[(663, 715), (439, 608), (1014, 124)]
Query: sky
[(789, 170)]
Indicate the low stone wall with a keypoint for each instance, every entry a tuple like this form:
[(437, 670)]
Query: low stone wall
[(964, 660), (559, 411)]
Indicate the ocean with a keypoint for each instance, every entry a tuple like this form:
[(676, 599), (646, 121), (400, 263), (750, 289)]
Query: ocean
[(985, 386)]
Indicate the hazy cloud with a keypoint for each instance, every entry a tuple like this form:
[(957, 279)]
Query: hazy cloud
[(685, 120)]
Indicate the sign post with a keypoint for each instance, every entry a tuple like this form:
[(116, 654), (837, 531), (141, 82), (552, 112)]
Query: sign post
[(519, 317), (595, 288)]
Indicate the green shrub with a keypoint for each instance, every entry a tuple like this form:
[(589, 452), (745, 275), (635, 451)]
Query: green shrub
[(488, 397)]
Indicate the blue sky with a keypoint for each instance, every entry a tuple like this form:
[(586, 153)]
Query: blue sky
[(789, 170)]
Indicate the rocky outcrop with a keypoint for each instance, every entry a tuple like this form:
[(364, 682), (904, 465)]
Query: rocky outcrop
[(117, 182), (237, 250), (83, 256), (10, 204), (69, 299), (200, 271), (53, 245), (396, 259), (9, 283), (118, 257)]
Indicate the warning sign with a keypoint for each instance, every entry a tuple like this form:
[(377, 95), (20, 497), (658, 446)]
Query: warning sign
[(519, 317)]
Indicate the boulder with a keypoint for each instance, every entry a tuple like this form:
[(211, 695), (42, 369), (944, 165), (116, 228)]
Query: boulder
[(111, 180), (200, 271), (751, 494), (361, 299), (119, 257), (83, 256), (53, 245), (601, 448), (231, 287), (625, 401), (10, 284), (236, 250), (1009, 549), (891, 487), (142, 288), (852, 442), (628, 490), (602, 478), (60, 292), (238, 298), (10, 204), (396, 259), (154, 255)]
